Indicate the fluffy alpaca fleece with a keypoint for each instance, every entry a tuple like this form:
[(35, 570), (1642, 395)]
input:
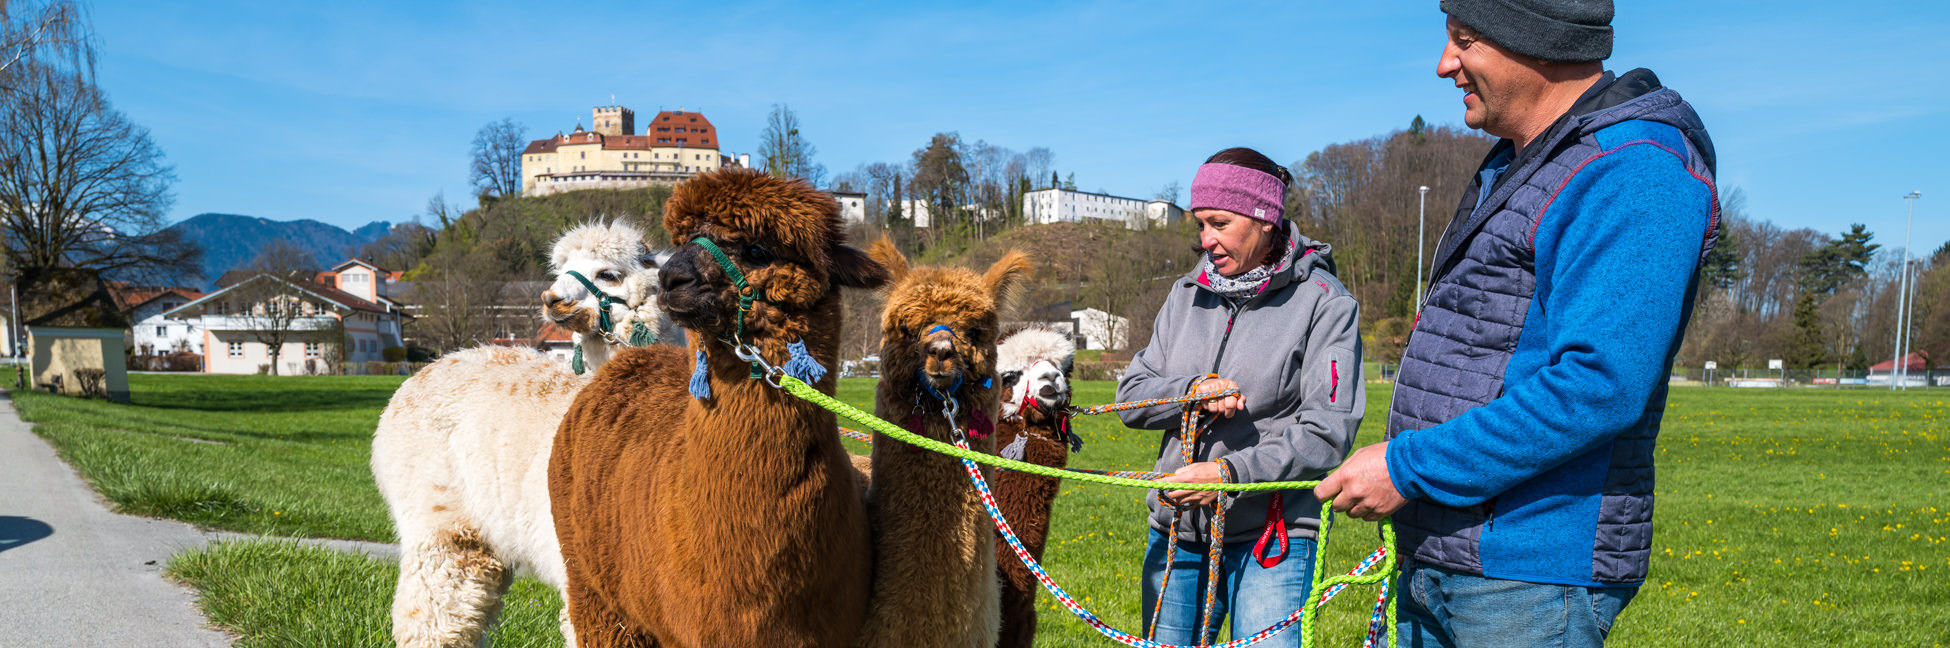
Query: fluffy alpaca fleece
[(614, 257), (1034, 364), (732, 520), (460, 456), (934, 563)]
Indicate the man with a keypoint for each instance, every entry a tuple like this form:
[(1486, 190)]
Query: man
[(1518, 465)]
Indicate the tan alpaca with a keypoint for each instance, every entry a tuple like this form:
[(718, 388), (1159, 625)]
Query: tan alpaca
[(934, 567)]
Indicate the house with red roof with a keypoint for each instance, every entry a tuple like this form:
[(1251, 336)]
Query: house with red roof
[(342, 314)]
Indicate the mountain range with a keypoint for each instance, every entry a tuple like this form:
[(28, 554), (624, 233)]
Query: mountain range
[(230, 241)]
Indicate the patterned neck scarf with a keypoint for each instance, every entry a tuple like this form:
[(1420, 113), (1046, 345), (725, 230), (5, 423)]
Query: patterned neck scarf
[(1245, 285)]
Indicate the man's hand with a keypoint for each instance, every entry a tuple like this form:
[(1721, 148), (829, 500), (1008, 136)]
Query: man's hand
[(1204, 472), (1360, 487), (1227, 406)]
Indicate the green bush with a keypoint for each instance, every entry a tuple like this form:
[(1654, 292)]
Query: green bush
[(393, 354)]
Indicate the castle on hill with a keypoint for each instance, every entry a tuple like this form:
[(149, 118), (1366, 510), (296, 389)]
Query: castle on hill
[(673, 147)]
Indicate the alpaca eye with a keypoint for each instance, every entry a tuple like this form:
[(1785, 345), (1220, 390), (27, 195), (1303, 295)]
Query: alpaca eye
[(609, 275), (1009, 379), (756, 254), (975, 335)]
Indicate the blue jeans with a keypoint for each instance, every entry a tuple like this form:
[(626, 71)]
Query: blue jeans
[(1254, 597), (1450, 609)]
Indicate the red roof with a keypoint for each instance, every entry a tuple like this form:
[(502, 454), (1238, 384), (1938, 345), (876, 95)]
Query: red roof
[(128, 297), (670, 128), (1916, 362)]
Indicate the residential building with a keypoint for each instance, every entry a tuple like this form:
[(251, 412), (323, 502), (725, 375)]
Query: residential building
[(150, 331), (1058, 205), (853, 206), (674, 146), (340, 314), (1100, 330)]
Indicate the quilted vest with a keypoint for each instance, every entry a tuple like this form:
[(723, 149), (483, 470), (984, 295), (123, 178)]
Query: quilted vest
[(1478, 298)]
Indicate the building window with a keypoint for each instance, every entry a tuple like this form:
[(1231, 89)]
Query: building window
[(236, 349), (162, 331), (222, 308), (311, 349)]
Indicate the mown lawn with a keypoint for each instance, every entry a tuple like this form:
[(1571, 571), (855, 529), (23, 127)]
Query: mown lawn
[(1791, 517)]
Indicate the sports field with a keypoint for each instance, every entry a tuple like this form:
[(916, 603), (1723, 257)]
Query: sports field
[(1784, 517)]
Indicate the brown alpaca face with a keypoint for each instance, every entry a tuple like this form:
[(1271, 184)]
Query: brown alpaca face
[(783, 236), (939, 328)]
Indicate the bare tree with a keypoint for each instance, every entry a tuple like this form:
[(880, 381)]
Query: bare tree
[(81, 185), (278, 302), (497, 158), (55, 32), (784, 152), (459, 296)]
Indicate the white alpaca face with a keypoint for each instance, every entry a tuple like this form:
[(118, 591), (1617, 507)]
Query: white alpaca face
[(1043, 382), (569, 303)]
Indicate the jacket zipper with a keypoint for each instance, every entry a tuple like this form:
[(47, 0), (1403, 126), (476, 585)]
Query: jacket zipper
[(1334, 370)]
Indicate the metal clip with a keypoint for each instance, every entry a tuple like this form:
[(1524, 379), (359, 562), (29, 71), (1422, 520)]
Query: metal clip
[(749, 353)]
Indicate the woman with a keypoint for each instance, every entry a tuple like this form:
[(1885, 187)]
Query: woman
[(1262, 314)]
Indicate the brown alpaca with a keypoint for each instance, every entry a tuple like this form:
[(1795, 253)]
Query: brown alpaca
[(732, 520), (934, 560), (1034, 365)]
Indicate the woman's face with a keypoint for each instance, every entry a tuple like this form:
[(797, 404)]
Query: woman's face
[(1236, 243)]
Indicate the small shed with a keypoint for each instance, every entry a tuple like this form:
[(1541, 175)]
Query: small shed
[(75, 333)]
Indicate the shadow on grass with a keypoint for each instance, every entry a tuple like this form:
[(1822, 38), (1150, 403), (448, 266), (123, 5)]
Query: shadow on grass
[(17, 531), (281, 401)]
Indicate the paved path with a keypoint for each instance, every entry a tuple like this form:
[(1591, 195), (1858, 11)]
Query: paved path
[(74, 574)]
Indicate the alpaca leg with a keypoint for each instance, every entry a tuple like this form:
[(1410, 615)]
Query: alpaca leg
[(450, 589), (598, 625)]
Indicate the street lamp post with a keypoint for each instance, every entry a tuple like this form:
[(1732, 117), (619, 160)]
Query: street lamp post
[(1421, 219), (1899, 367)]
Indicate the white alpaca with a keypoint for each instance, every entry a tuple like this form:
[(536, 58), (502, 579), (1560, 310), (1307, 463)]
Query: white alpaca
[(461, 452), (1034, 363), (613, 257)]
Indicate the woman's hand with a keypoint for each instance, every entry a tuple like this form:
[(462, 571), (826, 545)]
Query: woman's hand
[(1227, 406), (1204, 472)]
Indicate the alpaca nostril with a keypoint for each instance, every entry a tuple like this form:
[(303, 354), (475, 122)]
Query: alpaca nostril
[(550, 298), (1048, 391), (941, 350)]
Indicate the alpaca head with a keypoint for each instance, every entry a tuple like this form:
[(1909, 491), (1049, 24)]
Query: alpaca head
[(786, 239), (610, 255), (939, 326), (1034, 366)]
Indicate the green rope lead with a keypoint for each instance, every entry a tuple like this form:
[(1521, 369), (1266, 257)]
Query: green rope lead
[(1321, 580), (806, 392)]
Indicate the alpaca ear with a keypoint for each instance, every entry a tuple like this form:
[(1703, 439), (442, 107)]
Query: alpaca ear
[(852, 268), (890, 257), (1007, 276)]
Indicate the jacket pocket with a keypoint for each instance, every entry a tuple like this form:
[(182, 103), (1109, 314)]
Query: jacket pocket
[(1336, 377)]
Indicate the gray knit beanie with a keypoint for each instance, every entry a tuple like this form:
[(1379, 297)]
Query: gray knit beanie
[(1553, 30)]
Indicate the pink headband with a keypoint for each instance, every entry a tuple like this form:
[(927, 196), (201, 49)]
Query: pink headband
[(1247, 192)]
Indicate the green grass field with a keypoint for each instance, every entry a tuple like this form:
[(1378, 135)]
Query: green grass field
[(1784, 517)]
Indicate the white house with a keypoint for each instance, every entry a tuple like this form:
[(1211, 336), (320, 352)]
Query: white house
[(853, 206), (150, 332), (1059, 205), (229, 317), (1101, 331)]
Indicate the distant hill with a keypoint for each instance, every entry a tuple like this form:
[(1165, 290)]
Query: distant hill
[(230, 240)]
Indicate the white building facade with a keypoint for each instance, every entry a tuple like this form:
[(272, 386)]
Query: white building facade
[(1071, 206)]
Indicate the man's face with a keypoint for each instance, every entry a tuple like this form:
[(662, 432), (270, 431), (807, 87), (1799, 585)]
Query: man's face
[(1500, 86)]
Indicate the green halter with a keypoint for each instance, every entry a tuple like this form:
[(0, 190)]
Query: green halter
[(746, 295), (603, 300)]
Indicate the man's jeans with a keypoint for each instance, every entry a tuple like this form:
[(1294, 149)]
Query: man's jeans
[(1256, 597), (1449, 609)]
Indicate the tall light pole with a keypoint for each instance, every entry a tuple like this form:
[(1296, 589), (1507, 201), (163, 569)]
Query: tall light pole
[(1899, 367), (1421, 219)]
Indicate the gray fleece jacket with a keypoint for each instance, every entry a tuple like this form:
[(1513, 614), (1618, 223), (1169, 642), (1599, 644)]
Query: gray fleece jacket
[(1294, 349)]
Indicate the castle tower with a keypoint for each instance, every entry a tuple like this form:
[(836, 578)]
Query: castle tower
[(614, 120)]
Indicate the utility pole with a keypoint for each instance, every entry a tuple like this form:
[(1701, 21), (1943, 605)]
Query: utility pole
[(1899, 367), (1421, 219)]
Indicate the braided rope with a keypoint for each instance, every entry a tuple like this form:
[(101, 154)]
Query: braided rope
[(1305, 616), (1153, 402)]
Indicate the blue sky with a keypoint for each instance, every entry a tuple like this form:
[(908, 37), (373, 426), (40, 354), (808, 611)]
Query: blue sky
[(1824, 113)]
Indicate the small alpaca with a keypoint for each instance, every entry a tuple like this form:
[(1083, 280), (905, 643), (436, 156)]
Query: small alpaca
[(934, 563), (614, 258), (1035, 365), (696, 505), (461, 455)]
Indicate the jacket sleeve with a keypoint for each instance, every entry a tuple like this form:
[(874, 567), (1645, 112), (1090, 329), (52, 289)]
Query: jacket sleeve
[(1144, 380), (1616, 255), (1316, 436)]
